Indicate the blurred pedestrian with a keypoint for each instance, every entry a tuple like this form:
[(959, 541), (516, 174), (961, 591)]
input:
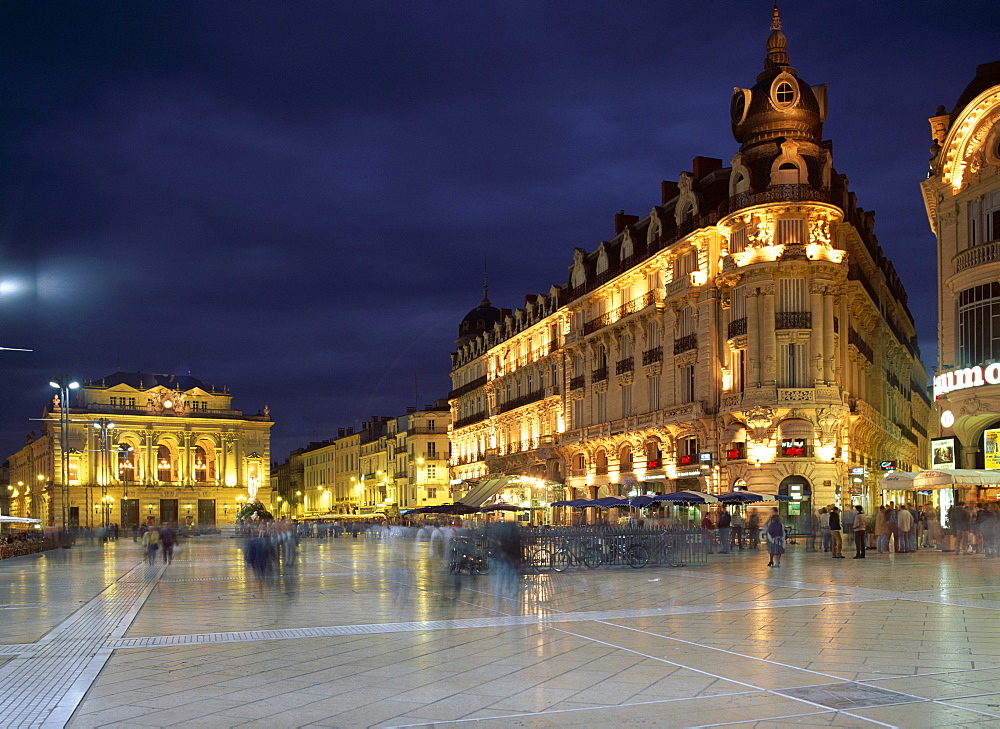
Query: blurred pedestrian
[(168, 539), (774, 533)]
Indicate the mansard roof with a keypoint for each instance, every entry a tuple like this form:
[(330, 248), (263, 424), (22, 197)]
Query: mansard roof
[(147, 381)]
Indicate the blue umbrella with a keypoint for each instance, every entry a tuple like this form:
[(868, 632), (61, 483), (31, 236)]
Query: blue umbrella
[(607, 502), (575, 503), (687, 497), (638, 502), (745, 497)]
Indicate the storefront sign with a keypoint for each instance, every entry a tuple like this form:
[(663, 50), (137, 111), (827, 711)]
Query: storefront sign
[(991, 448), (943, 453), (966, 378)]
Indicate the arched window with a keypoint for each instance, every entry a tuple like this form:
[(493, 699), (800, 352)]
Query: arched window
[(653, 454), (601, 463), (126, 462), (164, 463), (625, 460), (201, 465), (788, 173)]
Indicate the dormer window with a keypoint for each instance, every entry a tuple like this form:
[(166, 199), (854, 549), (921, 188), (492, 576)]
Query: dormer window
[(785, 94), (787, 174)]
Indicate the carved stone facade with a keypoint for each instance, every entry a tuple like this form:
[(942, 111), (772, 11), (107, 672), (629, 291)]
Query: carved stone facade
[(962, 196), (758, 338), (145, 446)]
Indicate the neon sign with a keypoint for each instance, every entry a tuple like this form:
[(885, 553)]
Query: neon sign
[(966, 378)]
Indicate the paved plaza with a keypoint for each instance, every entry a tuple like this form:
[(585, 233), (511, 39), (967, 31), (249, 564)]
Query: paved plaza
[(369, 632)]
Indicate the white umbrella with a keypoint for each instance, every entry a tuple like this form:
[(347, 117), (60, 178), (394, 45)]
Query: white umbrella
[(18, 520)]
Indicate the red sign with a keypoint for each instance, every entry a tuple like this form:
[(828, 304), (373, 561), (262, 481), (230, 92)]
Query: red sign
[(734, 454), (652, 464), (686, 460)]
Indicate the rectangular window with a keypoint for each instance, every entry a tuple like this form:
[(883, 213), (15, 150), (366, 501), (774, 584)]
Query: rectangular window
[(430, 426), (653, 393), (792, 295), (791, 231), (602, 407), (114, 402), (738, 241), (626, 400), (792, 365), (686, 375), (432, 493), (685, 322), (576, 408), (739, 365), (653, 334), (431, 472), (739, 303), (432, 450)]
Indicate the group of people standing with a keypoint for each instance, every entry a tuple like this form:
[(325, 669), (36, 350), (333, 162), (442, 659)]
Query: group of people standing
[(155, 538), (976, 528)]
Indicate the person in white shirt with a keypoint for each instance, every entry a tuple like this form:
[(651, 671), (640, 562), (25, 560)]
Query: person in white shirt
[(824, 529)]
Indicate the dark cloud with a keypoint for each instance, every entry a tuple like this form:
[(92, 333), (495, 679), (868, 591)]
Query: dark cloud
[(297, 199)]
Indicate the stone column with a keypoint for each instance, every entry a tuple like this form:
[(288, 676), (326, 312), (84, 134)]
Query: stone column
[(753, 365), (829, 352), (769, 339), (816, 335)]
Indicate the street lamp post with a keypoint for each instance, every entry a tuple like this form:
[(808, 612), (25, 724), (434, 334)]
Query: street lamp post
[(64, 384), (103, 425)]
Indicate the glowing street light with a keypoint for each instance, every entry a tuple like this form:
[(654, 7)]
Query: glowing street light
[(64, 384)]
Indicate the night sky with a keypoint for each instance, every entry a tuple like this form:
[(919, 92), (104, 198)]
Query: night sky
[(296, 199)]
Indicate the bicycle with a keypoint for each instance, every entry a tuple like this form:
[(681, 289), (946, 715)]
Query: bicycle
[(541, 559), (563, 559), (634, 555), (473, 561), (664, 547)]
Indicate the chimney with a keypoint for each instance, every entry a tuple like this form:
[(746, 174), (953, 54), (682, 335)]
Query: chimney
[(411, 409), (350, 431), (530, 299), (668, 191), (705, 166), (622, 221), (340, 432)]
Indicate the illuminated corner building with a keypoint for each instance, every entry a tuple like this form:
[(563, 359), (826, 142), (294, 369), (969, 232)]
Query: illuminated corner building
[(962, 195), (748, 332), (144, 446)]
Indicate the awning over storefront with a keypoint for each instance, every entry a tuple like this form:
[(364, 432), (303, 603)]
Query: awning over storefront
[(18, 520), (898, 481), (947, 478), (483, 490)]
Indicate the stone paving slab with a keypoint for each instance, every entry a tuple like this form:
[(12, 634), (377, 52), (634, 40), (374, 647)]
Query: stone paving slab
[(374, 633)]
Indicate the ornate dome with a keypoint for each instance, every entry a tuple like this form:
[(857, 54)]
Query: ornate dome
[(479, 320), (779, 105)]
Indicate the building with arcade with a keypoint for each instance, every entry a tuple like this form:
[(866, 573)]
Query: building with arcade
[(142, 447)]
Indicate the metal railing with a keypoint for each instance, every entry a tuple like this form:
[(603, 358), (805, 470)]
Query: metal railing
[(599, 375), (737, 328), (652, 355), (625, 365), (467, 387), (777, 193), (793, 320), (523, 400), (685, 343), (470, 419), (577, 382)]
